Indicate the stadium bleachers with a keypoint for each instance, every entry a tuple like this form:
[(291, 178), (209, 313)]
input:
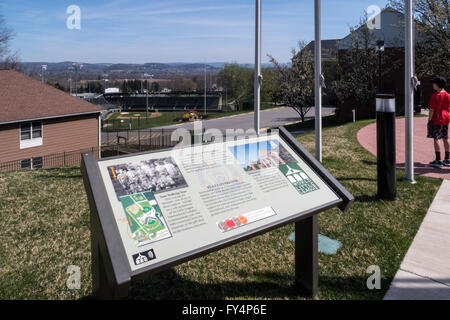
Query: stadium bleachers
[(165, 103)]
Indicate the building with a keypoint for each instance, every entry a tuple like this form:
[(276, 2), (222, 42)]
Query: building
[(42, 127), (392, 32)]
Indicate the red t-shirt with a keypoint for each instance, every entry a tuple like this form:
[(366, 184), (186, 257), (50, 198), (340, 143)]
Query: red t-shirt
[(440, 103)]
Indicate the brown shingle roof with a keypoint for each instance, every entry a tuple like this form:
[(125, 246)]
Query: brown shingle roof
[(24, 98)]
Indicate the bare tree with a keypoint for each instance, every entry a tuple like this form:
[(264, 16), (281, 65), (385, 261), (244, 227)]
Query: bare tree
[(297, 80), (8, 59), (433, 43)]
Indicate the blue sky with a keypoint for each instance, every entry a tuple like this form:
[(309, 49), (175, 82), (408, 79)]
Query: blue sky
[(139, 31)]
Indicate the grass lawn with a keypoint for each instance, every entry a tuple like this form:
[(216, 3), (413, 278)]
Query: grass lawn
[(167, 118), (44, 228)]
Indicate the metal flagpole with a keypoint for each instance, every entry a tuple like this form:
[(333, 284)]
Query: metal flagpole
[(258, 75), (409, 91), (318, 77)]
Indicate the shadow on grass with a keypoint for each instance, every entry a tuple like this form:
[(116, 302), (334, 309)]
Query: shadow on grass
[(367, 198), (369, 163), (168, 285), (61, 173)]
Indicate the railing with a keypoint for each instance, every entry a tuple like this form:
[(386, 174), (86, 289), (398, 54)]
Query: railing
[(118, 143), (139, 140), (55, 160)]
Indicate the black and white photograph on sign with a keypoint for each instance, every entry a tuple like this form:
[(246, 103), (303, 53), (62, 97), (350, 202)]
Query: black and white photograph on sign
[(261, 155), (157, 175)]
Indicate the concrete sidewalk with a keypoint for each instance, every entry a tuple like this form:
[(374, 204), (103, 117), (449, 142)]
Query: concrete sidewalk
[(425, 272)]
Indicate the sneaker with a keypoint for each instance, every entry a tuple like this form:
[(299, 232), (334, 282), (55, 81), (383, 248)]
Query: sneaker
[(446, 163), (436, 164)]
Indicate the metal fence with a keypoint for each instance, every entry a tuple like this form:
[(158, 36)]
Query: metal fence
[(117, 143), (138, 140), (55, 160)]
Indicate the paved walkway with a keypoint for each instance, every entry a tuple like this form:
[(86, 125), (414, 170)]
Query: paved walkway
[(423, 147), (425, 272)]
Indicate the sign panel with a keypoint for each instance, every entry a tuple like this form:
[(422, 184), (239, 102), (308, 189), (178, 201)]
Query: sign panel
[(168, 204)]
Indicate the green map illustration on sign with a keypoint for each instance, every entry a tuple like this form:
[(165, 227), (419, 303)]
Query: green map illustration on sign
[(298, 178), (144, 218)]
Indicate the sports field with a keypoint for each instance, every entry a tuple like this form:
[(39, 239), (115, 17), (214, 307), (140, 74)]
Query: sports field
[(145, 220)]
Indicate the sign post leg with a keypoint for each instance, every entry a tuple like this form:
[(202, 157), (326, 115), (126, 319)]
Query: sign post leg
[(102, 289), (306, 256)]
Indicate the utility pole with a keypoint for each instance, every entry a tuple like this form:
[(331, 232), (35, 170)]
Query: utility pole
[(318, 77), (43, 69), (147, 100), (205, 89), (258, 75), (409, 90), (105, 81)]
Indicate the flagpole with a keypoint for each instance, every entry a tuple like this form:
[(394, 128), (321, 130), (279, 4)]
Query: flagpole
[(409, 91), (258, 76), (318, 77)]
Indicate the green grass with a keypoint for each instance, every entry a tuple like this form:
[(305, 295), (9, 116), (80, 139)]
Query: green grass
[(44, 228), (166, 119)]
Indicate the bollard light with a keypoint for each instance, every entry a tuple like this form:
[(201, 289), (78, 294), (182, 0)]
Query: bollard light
[(386, 147)]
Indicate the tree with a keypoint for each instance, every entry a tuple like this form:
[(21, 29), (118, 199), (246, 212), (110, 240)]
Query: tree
[(238, 81), (8, 60), (297, 80), (155, 87), (433, 44), (358, 71), (270, 89)]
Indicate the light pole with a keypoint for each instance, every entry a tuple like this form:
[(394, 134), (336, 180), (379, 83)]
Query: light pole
[(380, 50), (258, 75), (147, 101), (105, 81), (76, 67), (70, 84), (205, 91), (43, 69)]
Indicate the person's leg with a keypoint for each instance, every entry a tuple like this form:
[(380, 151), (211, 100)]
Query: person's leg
[(437, 149), (446, 161)]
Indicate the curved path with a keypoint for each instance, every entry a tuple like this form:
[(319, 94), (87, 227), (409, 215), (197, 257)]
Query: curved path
[(423, 147)]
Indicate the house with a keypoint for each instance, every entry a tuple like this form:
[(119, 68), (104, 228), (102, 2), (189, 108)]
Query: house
[(42, 127)]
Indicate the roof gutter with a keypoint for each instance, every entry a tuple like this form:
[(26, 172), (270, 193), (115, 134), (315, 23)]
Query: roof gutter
[(52, 117)]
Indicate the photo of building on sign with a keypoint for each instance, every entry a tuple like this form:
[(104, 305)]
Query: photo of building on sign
[(262, 155)]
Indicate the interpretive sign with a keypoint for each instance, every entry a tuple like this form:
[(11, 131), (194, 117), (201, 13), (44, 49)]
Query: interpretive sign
[(154, 210)]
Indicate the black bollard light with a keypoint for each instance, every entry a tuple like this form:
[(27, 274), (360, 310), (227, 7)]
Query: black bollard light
[(386, 147)]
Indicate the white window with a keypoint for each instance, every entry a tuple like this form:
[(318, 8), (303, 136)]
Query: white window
[(31, 134)]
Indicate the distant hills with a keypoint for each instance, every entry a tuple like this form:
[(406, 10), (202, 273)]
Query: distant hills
[(155, 69)]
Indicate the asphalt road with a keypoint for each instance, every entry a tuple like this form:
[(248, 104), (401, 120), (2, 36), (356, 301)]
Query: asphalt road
[(269, 119)]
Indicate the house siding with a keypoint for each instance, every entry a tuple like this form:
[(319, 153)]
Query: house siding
[(59, 135)]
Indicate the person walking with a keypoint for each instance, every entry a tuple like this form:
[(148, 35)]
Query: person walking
[(439, 120)]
